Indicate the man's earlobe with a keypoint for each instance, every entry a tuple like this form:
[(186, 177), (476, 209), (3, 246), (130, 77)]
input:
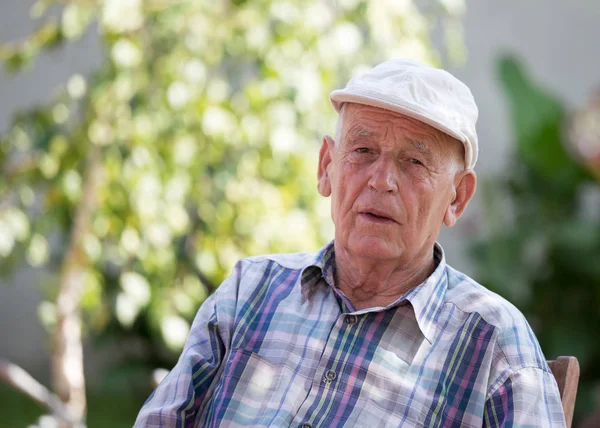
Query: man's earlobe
[(324, 185), (465, 184)]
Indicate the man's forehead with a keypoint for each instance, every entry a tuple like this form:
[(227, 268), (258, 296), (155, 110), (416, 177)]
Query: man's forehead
[(368, 120), (419, 135)]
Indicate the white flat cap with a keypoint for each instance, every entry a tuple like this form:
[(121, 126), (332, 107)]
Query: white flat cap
[(425, 93)]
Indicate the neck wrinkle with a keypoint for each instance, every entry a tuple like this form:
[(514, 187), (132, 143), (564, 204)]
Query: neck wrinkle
[(368, 283)]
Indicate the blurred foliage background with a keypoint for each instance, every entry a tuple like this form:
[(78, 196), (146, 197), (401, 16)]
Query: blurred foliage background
[(542, 242), (194, 144)]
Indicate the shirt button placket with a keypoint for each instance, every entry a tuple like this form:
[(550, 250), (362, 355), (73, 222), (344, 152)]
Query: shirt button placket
[(329, 377), (305, 425), (351, 319)]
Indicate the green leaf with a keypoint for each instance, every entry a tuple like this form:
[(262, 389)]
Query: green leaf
[(538, 118)]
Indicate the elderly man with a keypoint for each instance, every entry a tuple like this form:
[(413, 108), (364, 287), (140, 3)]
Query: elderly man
[(374, 330)]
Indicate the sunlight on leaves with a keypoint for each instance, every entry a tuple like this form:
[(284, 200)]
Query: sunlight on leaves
[(174, 331), (205, 119)]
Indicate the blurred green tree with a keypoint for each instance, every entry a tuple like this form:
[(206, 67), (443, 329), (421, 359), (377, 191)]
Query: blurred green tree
[(543, 225), (194, 144)]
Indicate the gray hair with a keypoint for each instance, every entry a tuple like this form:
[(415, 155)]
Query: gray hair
[(340, 125)]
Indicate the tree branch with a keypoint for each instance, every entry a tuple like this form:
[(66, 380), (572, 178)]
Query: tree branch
[(22, 381)]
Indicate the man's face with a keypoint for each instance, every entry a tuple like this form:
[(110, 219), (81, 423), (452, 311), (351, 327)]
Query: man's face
[(393, 183)]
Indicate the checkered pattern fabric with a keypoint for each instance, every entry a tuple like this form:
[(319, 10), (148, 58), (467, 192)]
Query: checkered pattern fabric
[(278, 345)]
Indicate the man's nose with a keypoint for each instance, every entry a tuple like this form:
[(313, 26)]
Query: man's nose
[(384, 176)]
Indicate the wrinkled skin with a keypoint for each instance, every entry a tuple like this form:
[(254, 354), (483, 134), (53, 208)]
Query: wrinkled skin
[(393, 182)]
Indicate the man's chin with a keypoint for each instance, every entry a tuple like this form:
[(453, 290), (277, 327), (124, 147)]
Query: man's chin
[(375, 247)]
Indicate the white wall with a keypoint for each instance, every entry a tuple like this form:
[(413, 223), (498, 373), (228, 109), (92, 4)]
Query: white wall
[(557, 40)]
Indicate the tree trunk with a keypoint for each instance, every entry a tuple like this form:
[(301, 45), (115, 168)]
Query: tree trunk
[(67, 361)]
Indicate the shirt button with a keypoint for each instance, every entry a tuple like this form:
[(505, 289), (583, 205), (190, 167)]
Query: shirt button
[(306, 425), (330, 375), (351, 319)]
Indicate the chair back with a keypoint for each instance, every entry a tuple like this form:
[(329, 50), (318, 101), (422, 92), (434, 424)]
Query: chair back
[(566, 373)]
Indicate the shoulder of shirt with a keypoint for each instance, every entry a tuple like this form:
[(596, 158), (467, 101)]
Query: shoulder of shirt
[(470, 296), (247, 276), (515, 338)]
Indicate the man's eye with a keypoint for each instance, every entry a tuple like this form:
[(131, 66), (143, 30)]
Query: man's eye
[(362, 150), (416, 161)]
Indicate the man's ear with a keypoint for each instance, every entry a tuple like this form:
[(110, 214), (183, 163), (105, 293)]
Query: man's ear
[(465, 184), (325, 158)]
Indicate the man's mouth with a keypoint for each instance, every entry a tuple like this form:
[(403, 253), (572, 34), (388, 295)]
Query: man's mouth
[(377, 217)]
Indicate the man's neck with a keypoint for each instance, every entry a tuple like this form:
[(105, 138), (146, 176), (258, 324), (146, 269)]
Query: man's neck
[(374, 283)]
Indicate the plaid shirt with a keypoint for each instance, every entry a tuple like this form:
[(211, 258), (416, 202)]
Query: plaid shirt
[(279, 345)]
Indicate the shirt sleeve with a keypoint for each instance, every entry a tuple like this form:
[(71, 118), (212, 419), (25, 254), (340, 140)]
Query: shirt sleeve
[(176, 401), (527, 398)]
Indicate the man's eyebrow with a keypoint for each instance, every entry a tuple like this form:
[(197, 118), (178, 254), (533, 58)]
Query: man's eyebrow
[(421, 146), (365, 133), (359, 131)]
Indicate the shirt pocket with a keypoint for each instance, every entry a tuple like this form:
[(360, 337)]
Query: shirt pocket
[(390, 394), (249, 368), (254, 391)]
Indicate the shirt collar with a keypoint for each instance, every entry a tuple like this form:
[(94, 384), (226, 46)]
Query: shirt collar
[(322, 266), (426, 299)]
